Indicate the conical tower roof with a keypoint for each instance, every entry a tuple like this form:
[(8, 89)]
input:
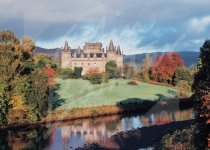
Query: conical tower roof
[(66, 47), (111, 46), (118, 50)]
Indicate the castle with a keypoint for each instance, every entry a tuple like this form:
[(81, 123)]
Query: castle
[(92, 56)]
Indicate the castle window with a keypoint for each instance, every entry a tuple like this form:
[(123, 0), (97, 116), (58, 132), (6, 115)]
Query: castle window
[(75, 63), (82, 64), (88, 63)]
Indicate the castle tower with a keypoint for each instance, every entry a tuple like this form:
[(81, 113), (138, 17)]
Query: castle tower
[(119, 57), (111, 53), (66, 56)]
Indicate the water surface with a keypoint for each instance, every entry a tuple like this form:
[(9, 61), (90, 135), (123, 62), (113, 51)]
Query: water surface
[(72, 134)]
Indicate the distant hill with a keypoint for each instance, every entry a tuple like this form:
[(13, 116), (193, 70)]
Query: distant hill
[(189, 57)]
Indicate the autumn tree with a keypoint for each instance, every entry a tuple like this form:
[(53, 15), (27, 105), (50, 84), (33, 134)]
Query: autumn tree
[(24, 88), (144, 72), (165, 66)]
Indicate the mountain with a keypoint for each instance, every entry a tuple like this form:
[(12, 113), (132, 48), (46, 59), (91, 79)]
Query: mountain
[(189, 57)]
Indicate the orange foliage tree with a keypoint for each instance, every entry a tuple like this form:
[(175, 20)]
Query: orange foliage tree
[(50, 72), (165, 66)]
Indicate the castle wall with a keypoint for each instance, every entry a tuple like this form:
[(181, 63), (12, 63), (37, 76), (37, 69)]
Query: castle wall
[(89, 64)]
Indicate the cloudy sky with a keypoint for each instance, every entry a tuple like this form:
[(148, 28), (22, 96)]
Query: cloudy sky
[(138, 26)]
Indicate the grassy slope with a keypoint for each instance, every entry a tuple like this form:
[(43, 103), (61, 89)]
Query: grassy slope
[(79, 93)]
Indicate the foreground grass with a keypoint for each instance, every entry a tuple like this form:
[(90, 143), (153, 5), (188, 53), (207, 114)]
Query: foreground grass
[(78, 93)]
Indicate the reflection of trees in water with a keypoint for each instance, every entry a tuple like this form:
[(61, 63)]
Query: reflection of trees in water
[(88, 130), (25, 139), (165, 117)]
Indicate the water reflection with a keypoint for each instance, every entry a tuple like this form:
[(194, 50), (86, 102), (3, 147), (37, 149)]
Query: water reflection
[(87, 131), (65, 135)]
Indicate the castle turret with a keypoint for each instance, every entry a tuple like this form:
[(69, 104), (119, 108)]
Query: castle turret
[(111, 46), (65, 56), (111, 55), (118, 50)]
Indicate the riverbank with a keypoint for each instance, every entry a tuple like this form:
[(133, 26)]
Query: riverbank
[(129, 106), (138, 138)]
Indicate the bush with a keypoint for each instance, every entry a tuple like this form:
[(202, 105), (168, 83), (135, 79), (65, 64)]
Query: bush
[(132, 83), (184, 73), (183, 89), (95, 78), (66, 73)]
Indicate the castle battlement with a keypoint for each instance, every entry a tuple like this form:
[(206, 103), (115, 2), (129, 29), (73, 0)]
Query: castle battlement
[(91, 56)]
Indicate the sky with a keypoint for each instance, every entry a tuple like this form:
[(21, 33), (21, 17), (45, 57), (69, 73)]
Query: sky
[(138, 26)]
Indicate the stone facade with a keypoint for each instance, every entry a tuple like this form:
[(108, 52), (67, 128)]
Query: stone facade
[(91, 57)]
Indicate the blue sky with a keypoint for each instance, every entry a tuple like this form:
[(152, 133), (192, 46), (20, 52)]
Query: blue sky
[(137, 26)]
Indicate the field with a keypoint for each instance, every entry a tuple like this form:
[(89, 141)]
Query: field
[(78, 93)]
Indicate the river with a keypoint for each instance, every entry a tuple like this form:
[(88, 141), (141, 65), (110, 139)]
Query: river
[(72, 134)]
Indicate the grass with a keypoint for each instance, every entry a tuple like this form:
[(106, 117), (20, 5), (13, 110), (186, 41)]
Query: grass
[(78, 93)]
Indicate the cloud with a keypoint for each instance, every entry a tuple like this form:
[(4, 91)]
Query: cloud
[(138, 26), (199, 24)]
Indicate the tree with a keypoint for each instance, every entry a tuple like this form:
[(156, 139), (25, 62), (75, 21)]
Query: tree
[(183, 89), (144, 73), (201, 85), (78, 72), (186, 74), (111, 69), (21, 82), (45, 61), (129, 71), (50, 72), (10, 64), (165, 66), (201, 96)]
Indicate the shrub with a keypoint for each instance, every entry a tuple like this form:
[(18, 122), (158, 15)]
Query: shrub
[(95, 78), (184, 73), (180, 139), (66, 73), (132, 83), (183, 89)]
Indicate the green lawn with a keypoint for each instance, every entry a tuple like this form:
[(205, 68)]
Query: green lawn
[(75, 93)]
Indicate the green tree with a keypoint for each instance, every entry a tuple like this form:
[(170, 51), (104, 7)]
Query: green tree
[(111, 69), (78, 72), (186, 74)]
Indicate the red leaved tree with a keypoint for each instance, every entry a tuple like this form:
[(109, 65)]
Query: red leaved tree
[(165, 66), (50, 72)]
